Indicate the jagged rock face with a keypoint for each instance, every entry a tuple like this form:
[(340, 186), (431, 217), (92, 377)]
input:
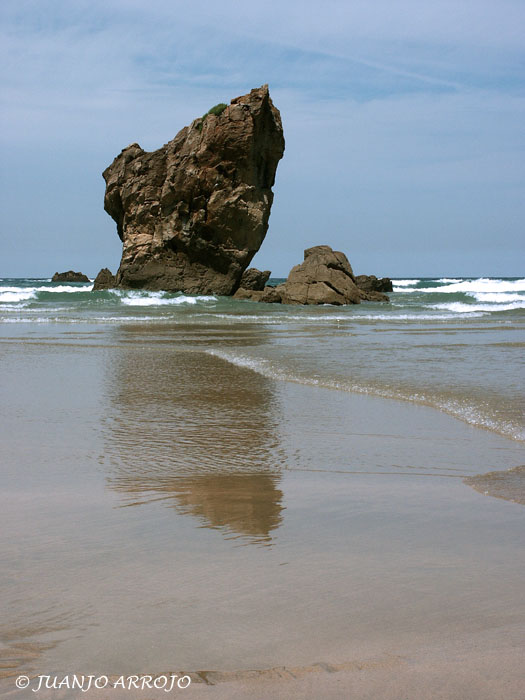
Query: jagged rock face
[(325, 277), (70, 276), (193, 214), (255, 279), (104, 280)]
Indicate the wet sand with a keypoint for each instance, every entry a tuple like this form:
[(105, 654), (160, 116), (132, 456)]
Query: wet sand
[(483, 667), (508, 484), (173, 511)]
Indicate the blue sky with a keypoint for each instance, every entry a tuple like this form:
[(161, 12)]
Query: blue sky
[(404, 124)]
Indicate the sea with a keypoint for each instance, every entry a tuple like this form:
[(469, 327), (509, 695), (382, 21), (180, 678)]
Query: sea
[(199, 483), (456, 344)]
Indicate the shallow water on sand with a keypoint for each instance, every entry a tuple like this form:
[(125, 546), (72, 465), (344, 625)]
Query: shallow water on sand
[(166, 507), (453, 344)]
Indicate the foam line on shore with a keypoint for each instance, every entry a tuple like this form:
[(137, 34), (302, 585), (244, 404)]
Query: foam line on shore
[(468, 413)]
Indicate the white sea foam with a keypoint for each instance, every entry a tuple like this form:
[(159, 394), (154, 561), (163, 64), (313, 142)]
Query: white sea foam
[(496, 298), (416, 317), (9, 307), (6, 295), (449, 280), (404, 283), (14, 294), (481, 285), (159, 299), (42, 319), (65, 288), (279, 317), (151, 301), (458, 408), (92, 319), (462, 308)]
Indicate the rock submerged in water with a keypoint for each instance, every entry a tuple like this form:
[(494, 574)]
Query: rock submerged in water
[(325, 277), (104, 280), (370, 283), (269, 295), (192, 214), (70, 276)]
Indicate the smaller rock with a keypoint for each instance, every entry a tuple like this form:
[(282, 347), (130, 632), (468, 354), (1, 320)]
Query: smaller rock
[(252, 278), (325, 277), (104, 280), (370, 283), (69, 276)]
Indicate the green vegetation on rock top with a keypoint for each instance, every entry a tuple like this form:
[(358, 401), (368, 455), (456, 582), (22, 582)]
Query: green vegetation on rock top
[(217, 110)]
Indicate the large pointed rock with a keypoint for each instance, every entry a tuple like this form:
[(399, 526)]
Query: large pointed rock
[(193, 214)]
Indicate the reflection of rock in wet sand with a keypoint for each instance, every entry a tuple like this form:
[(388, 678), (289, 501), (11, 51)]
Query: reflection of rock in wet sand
[(198, 432), (249, 504), (509, 484)]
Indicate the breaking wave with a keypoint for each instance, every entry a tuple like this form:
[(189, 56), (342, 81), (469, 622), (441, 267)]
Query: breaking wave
[(12, 294), (483, 285), (463, 296), (462, 308), (160, 299), (405, 283)]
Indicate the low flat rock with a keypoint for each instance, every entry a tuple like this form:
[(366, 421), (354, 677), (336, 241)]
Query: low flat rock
[(70, 276), (268, 295), (370, 283)]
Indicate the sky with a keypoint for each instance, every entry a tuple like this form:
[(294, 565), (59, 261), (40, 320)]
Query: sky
[(404, 123)]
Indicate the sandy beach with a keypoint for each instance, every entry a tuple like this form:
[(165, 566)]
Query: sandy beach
[(269, 538), (481, 668)]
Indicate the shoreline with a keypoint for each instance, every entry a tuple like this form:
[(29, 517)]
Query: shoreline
[(442, 405)]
